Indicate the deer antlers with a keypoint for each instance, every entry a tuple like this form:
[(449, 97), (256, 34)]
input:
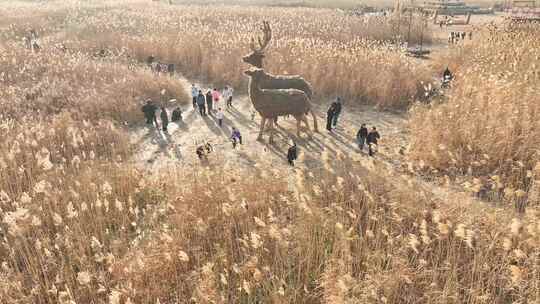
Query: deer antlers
[(267, 36)]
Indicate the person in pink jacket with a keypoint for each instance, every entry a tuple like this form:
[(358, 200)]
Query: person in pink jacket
[(216, 96)]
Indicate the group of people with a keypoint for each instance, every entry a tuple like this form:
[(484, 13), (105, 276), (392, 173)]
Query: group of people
[(369, 138), (31, 41), (207, 102), (150, 109), (333, 114), (363, 137), (455, 37)]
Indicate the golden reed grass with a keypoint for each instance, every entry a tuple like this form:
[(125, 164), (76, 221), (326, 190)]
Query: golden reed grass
[(80, 224), (489, 125)]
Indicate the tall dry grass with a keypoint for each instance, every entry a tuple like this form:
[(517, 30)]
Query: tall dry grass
[(80, 224), (339, 54), (50, 82), (489, 126), (349, 235)]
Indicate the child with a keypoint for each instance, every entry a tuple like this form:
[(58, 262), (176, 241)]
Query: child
[(219, 117), (236, 137)]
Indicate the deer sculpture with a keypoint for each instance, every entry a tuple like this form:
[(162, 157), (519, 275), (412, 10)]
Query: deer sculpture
[(271, 82), (271, 103)]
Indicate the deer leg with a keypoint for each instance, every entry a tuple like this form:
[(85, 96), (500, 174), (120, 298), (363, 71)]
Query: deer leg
[(263, 124), (271, 129), (298, 126), (308, 130), (304, 119), (315, 126)]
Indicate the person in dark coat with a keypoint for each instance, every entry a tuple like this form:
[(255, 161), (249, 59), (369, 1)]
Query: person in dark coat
[(176, 114), (171, 68), (194, 94), (164, 119), (330, 116), (337, 111), (361, 136), (209, 101), (200, 103), (149, 110), (373, 140), (292, 154)]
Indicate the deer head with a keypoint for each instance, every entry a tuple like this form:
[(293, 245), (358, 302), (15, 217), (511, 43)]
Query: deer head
[(257, 54)]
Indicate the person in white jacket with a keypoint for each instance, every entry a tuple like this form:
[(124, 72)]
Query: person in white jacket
[(219, 116), (230, 92), (194, 94)]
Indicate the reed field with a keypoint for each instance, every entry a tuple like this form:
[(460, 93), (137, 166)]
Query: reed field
[(325, 46), (489, 127), (82, 222)]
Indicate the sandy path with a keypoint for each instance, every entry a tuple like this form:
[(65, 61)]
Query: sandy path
[(176, 149), (156, 149)]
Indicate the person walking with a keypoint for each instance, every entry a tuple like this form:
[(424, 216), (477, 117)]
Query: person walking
[(209, 102), (164, 119), (230, 92), (149, 110), (176, 114), (373, 140), (216, 96), (225, 95), (361, 136), (236, 137), (200, 103), (292, 154), (330, 117), (194, 94), (219, 116), (337, 111)]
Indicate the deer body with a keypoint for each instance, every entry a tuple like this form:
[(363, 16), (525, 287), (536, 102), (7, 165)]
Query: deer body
[(269, 81), (271, 103)]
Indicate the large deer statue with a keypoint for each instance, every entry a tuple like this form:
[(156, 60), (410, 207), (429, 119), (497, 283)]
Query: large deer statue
[(269, 81), (271, 103)]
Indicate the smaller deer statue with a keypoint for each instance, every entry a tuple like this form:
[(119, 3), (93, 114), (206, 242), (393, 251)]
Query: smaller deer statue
[(271, 103)]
